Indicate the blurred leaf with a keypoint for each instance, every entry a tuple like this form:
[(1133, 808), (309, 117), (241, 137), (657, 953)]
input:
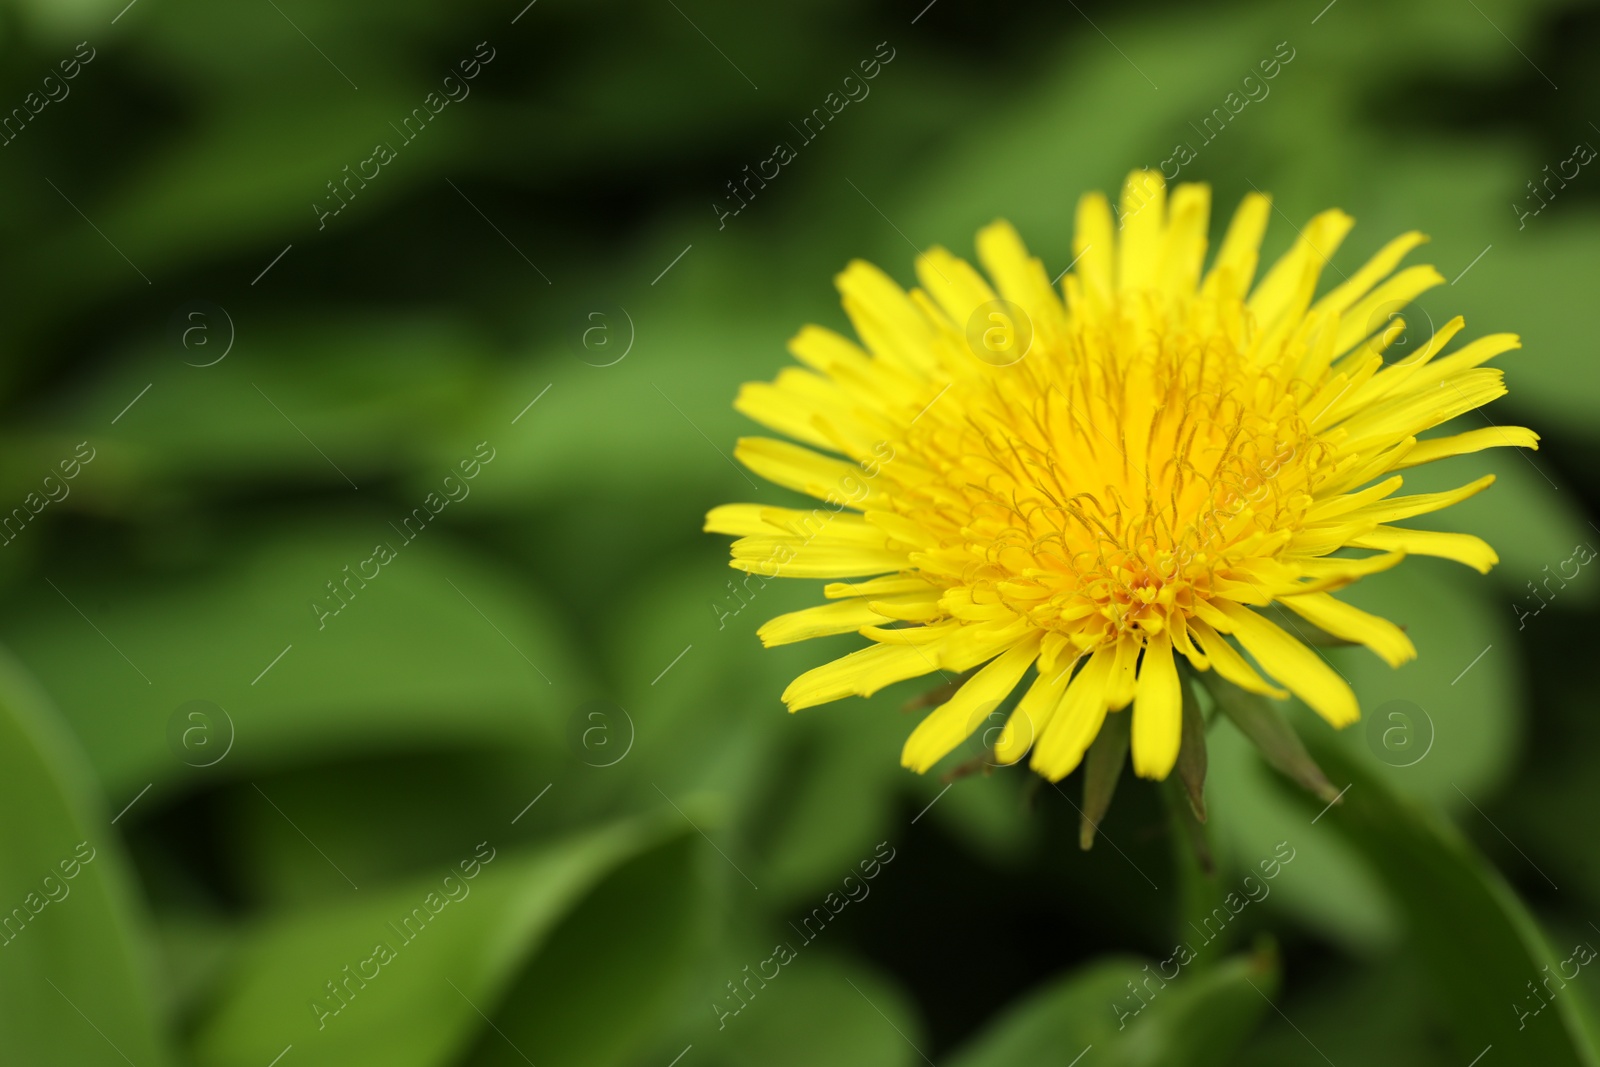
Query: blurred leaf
[(806, 794), (1329, 889), (1535, 287), (832, 805), (822, 1009), (1480, 944), (987, 813), (195, 950), (630, 942), (1194, 1019), (1426, 728), (233, 186), (312, 400), (423, 1002), (432, 648), (676, 429), (379, 818), (1373, 1011), (1460, 700), (74, 980), (703, 699)]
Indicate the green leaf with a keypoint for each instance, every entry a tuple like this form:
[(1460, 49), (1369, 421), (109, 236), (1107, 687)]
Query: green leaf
[(215, 417), (1189, 1020), (1200, 891), (74, 980), (1462, 734), (1329, 889), (677, 433), (1535, 288), (1387, 993), (377, 819), (433, 648), (806, 795), (455, 944), (1480, 944), (1459, 707), (869, 1022), (987, 812), (830, 808), (632, 941)]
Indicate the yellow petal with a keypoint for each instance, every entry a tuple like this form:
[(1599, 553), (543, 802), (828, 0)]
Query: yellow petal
[(1032, 714), (1326, 574), (839, 617), (1094, 245), (1157, 711), (1472, 441), (1289, 284), (827, 352), (1300, 668), (886, 586), (1083, 708), (1351, 623), (886, 319), (1469, 356), (740, 520), (804, 471), (1227, 662), (1404, 507), (954, 284), (1143, 218), (1123, 682), (954, 721), (1375, 270), (792, 405), (1371, 313), (1235, 267), (1463, 548), (1411, 413), (1021, 279), (1184, 249), (783, 557), (861, 673)]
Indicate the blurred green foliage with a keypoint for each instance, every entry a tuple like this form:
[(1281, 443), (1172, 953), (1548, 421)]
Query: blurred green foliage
[(556, 667)]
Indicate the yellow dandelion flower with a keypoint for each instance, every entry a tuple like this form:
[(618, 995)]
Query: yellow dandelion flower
[(1086, 485)]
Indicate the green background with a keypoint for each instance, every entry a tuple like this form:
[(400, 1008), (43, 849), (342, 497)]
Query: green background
[(556, 672)]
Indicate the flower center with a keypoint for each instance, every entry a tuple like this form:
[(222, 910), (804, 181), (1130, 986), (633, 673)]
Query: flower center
[(1104, 483)]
